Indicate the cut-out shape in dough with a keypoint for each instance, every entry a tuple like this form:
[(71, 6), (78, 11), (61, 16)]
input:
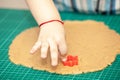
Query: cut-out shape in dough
[(93, 42)]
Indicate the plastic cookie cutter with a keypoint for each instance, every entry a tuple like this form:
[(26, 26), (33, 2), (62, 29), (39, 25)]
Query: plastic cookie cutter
[(71, 61)]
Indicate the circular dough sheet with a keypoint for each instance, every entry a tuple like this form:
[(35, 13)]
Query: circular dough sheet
[(93, 42)]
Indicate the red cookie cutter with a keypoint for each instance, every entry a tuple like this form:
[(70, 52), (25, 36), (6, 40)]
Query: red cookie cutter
[(71, 61)]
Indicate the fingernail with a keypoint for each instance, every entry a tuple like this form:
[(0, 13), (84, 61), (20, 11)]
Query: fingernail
[(43, 56), (54, 64), (64, 59)]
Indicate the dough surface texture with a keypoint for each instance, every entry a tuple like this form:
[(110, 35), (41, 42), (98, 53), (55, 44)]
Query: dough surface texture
[(93, 42)]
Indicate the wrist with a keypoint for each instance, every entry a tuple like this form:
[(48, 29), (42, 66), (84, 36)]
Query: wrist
[(50, 21)]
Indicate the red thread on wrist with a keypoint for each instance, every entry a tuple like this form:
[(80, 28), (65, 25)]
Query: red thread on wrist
[(51, 21)]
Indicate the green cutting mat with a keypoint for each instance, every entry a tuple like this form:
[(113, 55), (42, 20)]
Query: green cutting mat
[(12, 22)]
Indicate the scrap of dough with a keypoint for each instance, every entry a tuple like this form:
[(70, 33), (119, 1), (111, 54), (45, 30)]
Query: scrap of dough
[(93, 42)]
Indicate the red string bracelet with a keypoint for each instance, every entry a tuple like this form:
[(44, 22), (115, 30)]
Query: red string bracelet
[(51, 21)]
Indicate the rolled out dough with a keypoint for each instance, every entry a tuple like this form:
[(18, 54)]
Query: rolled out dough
[(93, 42)]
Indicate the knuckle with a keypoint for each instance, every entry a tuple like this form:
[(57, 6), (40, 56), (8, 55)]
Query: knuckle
[(53, 50), (43, 50), (54, 58), (59, 39), (54, 55)]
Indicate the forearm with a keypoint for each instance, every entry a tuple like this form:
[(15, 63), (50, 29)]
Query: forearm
[(43, 10)]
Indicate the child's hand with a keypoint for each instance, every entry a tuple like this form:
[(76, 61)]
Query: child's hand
[(51, 35)]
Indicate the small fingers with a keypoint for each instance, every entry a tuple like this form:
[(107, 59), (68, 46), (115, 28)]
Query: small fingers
[(62, 49), (54, 52), (35, 47), (44, 49)]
